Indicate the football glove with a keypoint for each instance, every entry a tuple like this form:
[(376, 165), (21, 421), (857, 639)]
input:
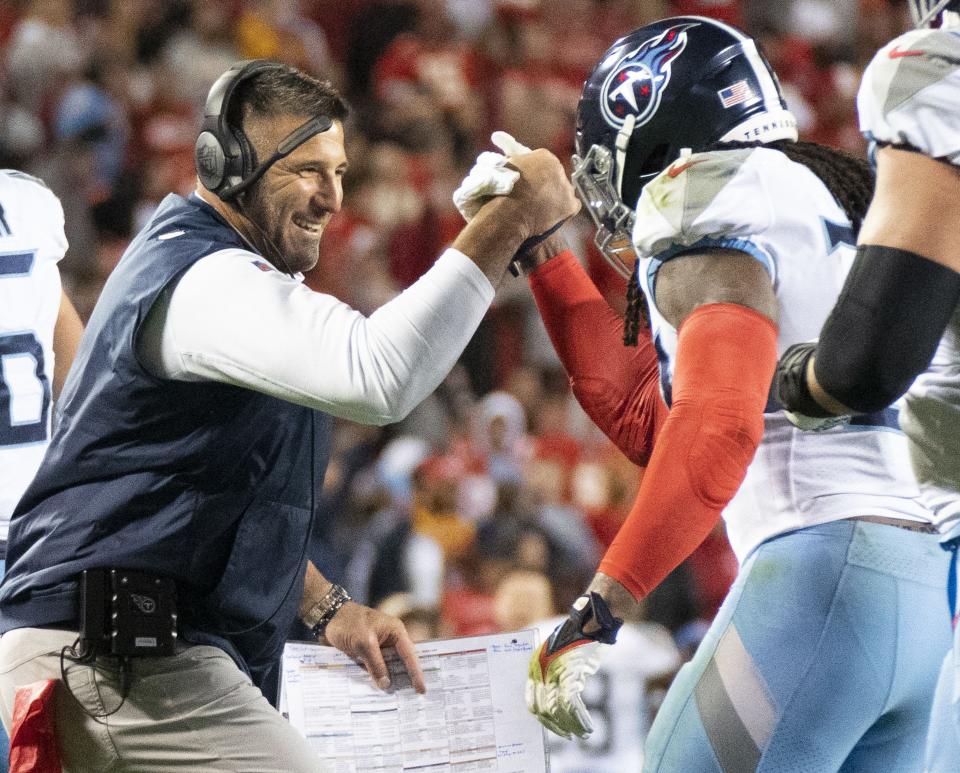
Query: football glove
[(490, 176), (792, 392), (558, 670)]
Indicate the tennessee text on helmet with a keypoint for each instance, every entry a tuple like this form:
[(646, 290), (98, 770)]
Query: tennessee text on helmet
[(224, 158), (682, 82)]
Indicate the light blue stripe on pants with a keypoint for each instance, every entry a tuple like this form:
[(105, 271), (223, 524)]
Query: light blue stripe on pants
[(943, 740), (823, 657)]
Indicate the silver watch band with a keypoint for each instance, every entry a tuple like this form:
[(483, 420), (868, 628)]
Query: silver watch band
[(321, 613)]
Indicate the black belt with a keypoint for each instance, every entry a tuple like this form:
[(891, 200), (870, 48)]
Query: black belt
[(59, 625), (923, 527)]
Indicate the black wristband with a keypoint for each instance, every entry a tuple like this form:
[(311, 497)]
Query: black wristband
[(520, 258), (590, 606), (790, 383)]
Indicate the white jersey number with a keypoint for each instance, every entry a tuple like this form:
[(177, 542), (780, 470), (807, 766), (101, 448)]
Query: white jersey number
[(24, 386)]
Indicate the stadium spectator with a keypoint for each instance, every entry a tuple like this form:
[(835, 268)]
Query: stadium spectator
[(422, 622)]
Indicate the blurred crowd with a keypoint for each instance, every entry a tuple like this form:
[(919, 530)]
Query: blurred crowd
[(489, 507)]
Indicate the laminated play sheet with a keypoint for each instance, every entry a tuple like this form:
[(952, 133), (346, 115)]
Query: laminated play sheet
[(472, 718)]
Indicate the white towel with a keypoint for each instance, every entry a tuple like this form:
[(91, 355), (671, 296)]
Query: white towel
[(490, 176)]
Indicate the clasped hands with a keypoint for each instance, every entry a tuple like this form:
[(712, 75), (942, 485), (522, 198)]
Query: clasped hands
[(534, 179)]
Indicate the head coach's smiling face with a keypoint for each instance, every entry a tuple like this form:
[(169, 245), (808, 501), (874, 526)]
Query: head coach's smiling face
[(298, 195)]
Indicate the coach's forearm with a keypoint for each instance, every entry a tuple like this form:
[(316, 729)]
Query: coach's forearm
[(492, 238), (315, 587)]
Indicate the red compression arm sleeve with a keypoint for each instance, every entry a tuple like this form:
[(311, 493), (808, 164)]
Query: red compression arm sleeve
[(726, 355), (618, 386)]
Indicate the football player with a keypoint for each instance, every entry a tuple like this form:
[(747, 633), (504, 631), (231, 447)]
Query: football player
[(39, 330), (39, 333), (824, 654), (898, 314)]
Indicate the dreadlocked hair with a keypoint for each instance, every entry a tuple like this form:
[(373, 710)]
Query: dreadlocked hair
[(849, 179), (636, 316)]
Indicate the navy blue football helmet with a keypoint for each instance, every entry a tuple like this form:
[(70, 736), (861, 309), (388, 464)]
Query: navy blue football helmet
[(926, 12), (682, 82)]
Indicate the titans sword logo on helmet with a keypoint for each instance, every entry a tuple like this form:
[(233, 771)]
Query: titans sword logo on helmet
[(635, 87)]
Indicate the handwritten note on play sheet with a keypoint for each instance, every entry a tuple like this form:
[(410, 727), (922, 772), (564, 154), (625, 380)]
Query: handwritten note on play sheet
[(471, 720)]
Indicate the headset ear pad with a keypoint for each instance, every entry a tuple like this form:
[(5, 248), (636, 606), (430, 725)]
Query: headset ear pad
[(247, 157), (222, 154), (209, 160)]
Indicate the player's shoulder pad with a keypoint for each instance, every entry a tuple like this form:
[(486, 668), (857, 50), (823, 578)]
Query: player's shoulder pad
[(39, 207), (909, 64), (909, 90), (16, 174), (30, 188), (717, 195)]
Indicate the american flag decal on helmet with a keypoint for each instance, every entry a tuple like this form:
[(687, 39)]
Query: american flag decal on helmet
[(737, 94)]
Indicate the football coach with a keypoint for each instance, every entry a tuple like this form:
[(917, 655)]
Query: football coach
[(158, 559)]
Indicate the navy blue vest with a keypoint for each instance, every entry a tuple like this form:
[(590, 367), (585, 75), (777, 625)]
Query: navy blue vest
[(209, 484)]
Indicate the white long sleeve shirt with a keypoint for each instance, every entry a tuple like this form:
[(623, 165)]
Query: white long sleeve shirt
[(233, 319)]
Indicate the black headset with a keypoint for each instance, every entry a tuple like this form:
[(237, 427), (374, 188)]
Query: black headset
[(224, 158)]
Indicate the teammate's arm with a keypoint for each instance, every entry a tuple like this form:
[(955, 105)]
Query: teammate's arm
[(617, 385), (66, 339), (915, 196), (534, 205), (897, 299), (271, 334), (724, 308)]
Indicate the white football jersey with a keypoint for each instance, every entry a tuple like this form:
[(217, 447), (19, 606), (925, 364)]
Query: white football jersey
[(908, 95), (759, 202), (911, 95), (622, 698), (32, 241)]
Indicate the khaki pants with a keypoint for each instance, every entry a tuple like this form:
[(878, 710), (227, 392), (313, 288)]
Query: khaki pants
[(193, 711)]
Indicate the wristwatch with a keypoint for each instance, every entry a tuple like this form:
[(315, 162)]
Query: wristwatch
[(320, 614)]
